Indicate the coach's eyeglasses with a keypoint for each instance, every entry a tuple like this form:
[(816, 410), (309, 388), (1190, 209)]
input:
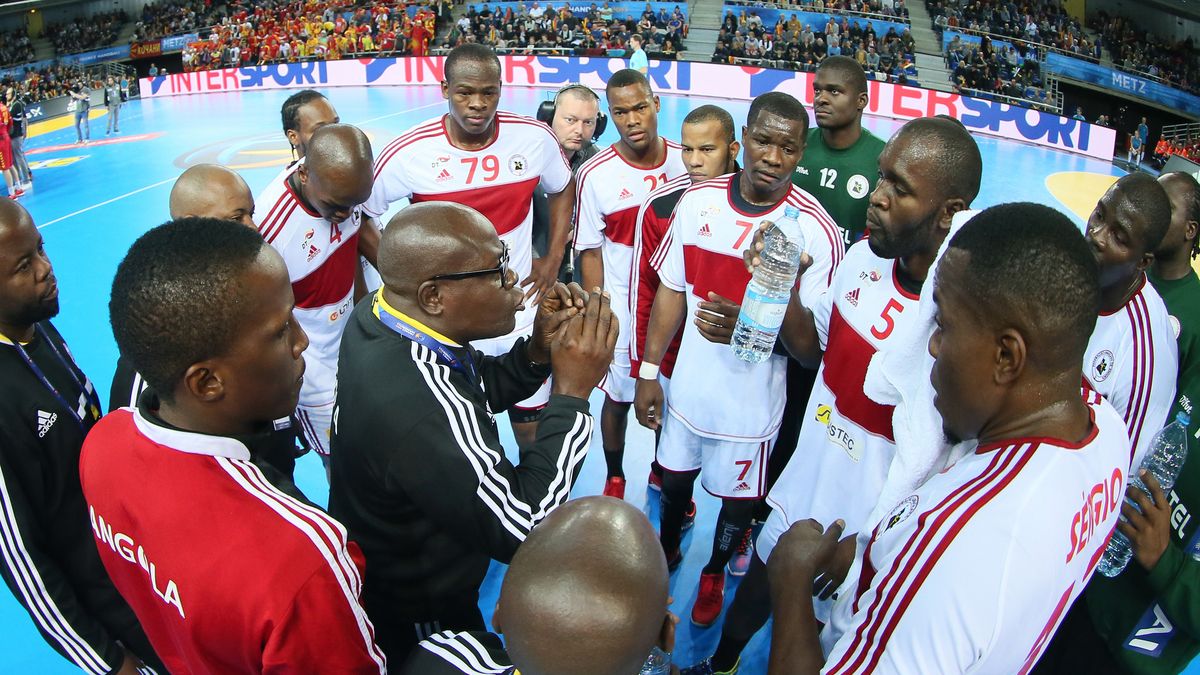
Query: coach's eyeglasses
[(501, 269)]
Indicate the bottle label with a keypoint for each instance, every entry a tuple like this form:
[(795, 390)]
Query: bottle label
[(763, 312)]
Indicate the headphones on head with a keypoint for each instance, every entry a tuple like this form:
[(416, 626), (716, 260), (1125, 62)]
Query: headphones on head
[(545, 111)]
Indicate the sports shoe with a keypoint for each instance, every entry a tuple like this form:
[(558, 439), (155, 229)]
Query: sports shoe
[(740, 563), (673, 561), (710, 599), (615, 487), (654, 482), (689, 517), (705, 667), (16, 193)]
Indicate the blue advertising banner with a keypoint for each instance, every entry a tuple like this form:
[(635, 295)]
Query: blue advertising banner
[(1131, 85), (18, 72), (815, 19), (117, 53), (619, 9), (176, 43)]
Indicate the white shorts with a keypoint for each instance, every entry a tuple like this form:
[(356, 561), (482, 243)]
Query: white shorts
[(730, 469), (504, 344), (618, 384), (777, 523), (315, 423)]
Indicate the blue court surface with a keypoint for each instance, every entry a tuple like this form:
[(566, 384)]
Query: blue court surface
[(92, 201)]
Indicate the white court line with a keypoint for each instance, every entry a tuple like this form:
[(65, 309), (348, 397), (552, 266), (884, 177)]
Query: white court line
[(104, 203), (172, 179)]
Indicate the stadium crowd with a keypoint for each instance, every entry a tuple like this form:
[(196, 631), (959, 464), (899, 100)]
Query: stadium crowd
[(793, 45), (548, 29), (891, 8), (1043, 21), (1140, 51), (169, 17), (1009, 70), (41, 83), (267, 33), (86, 32), (15, 48)]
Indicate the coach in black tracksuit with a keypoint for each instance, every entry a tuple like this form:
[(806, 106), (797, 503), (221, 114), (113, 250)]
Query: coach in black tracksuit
[(418, 473), (48, 553)]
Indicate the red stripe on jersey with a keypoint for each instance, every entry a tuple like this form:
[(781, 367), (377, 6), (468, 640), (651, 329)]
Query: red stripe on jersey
[(272, 219), (645, 282), (330, 282), (505, 205), (865, 638), (580, 178), (847, 356), (399, 144), (714, 272), (656, 260), (1043, 638), (833, 233), (619, 226), (281, 222), (1143, 371)]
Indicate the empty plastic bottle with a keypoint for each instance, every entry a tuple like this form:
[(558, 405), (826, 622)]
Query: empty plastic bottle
[(658, 663)]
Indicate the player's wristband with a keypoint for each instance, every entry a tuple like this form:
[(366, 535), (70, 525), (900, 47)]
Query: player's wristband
[(648, 371)]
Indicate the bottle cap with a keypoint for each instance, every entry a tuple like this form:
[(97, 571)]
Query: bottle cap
[(1183, 418), (791, 212)]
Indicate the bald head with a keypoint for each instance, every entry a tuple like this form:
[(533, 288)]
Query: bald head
[(337, 170), (212, 191), (427, 239), (586, 593)]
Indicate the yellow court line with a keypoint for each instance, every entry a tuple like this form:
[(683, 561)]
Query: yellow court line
[(63, 122)]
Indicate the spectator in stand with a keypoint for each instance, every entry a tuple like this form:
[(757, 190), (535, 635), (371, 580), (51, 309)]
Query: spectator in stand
[(84, 33), (15, 48), (1137, 50), (1047, 24)]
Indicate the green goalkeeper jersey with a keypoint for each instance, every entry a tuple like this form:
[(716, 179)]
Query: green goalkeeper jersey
[(842, 180)]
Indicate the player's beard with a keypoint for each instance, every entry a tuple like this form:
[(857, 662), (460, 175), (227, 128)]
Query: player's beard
[(893, 246), (42, 310)]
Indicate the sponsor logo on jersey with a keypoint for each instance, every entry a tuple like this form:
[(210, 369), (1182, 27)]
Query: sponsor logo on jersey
[(875, 276), (801, 171), (710, 211), (858, 186), (341, 311), (1103, 499), (852, 297), (870, 278), (625, 194), (1102, 365), (704, 231), (840, 436), (901, 513), (742, 487), (45, 420), (518, 165), (823, 412), (313, 252), (444, 176), (439, 161)]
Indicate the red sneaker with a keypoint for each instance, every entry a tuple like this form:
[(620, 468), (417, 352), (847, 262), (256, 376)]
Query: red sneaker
[(615, 487), (710, 599), (654, 482), (17, 193)]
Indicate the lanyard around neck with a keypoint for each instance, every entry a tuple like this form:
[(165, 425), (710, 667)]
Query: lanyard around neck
[(93, 401), (445, 355)]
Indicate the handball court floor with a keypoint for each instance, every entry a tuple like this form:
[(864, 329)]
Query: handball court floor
[(92, 201)]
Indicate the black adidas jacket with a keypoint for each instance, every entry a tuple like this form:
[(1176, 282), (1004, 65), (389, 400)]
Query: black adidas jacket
[(48, 553), (418, 474)]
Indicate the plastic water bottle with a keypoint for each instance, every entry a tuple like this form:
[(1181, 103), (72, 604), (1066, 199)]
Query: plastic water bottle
[(768, 292), (658, 663), (1168, 451)]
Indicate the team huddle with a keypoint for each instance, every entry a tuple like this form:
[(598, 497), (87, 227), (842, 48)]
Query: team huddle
[(921, 478)]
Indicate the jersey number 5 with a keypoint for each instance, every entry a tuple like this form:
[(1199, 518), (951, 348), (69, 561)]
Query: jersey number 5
[(889, 321)]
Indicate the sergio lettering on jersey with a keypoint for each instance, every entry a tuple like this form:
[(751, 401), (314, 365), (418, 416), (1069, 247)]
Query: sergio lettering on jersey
[(1098, 503)]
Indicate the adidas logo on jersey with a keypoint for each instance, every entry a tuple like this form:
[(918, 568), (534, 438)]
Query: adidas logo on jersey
[(625, 194), (45, 421), (742, 487), (444, 176), (852, 297), (313, 251), (704, 231)]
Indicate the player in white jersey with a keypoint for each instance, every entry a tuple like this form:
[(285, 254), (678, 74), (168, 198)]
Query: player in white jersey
[(1132, 359), (723, 413), (311, 216), (611, 187), (974, 570), (491, 161), (929, 171)]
